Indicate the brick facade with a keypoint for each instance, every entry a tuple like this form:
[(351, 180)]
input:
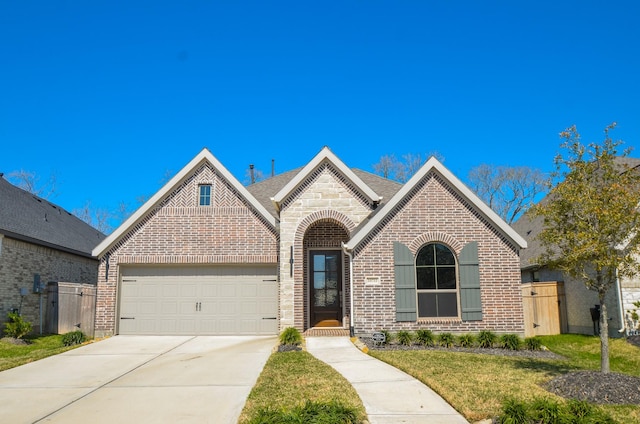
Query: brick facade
[(178, 231), (19, 261), (322, 209), (435, 212)]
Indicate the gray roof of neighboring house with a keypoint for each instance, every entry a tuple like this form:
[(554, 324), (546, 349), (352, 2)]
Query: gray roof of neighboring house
[(30, 218), (264, 190), (529, 227)]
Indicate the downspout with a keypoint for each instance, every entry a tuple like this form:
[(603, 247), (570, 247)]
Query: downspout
[(622, 317), (351, 306)]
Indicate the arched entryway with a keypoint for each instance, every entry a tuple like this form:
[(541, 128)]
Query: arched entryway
[(326, 276)]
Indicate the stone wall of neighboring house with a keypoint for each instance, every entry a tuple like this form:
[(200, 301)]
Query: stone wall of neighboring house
[(19, 261), (630, 293), (325, 195), (435, 212), (178, 231)]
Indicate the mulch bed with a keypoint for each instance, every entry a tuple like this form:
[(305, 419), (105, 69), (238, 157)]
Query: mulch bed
[(288, 348), (596, 387), (634, 340), (14, 341), (536, 354)]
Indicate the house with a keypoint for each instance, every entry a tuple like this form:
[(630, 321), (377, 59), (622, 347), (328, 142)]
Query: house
[(320, 246), (40, 242), (578, 300)]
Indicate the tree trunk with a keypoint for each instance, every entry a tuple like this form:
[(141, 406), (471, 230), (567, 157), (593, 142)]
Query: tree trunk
[(604, 334)]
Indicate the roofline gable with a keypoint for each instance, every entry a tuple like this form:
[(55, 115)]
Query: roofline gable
[(324, 154), (204, 155), (434, 165)]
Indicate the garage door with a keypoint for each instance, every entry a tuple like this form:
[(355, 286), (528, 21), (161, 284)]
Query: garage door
[(220, 300)]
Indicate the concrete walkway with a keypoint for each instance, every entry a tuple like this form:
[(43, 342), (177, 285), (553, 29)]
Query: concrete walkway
[(138, 379), (388, 394)]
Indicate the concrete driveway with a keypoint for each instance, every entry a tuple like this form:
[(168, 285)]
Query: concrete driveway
[(138, 379)]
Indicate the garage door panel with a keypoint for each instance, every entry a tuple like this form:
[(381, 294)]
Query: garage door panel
[(224, 300)]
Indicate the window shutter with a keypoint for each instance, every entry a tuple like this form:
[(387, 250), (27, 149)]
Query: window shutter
[(404, 268), (470, 283)]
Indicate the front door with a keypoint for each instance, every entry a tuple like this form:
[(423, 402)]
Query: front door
[(326, 288)]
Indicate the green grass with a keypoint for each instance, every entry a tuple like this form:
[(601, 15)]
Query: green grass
[(290, 380), (477, 385), (584, 352), (39, 347)]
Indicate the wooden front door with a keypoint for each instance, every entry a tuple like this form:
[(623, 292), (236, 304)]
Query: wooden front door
[(326, 288)]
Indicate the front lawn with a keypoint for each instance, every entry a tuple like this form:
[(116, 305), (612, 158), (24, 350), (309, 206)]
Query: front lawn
[(290, 379), (12, 355), (478, 384)]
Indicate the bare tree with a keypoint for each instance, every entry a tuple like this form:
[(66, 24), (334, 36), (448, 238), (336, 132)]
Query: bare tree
[(386, 166), (401, 170), (253, 175), (509, 191), (98, 218), (30, 181)]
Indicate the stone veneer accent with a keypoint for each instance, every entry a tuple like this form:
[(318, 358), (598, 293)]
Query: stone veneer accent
[(20, 260), (324, 195), (178, 231)]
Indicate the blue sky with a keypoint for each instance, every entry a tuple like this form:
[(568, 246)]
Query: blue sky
[(110, 96)]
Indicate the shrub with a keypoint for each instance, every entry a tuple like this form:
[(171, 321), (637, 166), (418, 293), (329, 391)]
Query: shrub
[(310, 412), (546, 411), (513, 412), (510, 342), (446, 339), (532, 343), (73, 338), (16, 327), (486, 339), (290, 336), (466, 340), (387, 336), (405, 338), (425, 337)]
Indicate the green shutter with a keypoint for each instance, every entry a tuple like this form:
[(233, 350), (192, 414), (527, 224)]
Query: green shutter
[(470, 283), (404, 267)]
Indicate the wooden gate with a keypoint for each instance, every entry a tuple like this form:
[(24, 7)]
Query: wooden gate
[(71, 307), (545, 311)]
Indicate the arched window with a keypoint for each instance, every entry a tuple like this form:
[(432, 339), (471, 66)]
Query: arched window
[(436, 281)]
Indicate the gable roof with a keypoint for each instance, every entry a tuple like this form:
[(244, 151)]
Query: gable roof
[(433, 165), (27, 217), (266, 189), (324, 155), (204, 155)]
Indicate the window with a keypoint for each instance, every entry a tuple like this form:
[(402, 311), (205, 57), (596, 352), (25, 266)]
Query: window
[(436, 282), (205, 194)]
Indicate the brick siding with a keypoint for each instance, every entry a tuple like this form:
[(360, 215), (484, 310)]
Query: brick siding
[(19, 261), (435, 212), (178, 231)]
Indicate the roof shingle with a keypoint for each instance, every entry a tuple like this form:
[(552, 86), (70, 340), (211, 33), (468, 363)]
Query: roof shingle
[(28, 217)]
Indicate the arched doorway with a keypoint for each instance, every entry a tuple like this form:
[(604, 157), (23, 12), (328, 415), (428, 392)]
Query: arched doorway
[(325, 274)]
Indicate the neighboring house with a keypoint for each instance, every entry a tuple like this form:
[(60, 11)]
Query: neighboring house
[(40, 242), (321, 246), (579, 299)]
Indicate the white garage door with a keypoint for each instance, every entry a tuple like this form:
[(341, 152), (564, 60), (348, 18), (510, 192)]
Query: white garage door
[(202, 300)]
